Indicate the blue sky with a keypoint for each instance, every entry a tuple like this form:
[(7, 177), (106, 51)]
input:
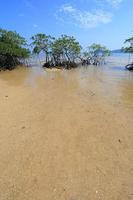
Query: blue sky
[(108, 22)]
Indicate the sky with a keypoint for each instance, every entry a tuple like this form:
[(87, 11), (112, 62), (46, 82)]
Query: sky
[(108, 22)]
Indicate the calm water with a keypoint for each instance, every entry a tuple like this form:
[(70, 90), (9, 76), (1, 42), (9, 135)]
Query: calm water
[(121, 59), (111, 80)]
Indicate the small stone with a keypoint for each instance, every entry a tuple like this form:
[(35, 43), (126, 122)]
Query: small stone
[(23, 127)]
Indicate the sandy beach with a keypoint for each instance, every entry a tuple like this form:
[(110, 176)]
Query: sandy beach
[(66, 135)]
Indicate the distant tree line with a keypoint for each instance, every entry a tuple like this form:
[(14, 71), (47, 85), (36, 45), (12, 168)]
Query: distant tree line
[(62, 52)]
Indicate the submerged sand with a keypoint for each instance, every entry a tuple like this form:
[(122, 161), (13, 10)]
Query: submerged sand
[(66, 135)]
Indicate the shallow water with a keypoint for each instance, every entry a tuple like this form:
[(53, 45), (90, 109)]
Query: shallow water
[(66, 134)]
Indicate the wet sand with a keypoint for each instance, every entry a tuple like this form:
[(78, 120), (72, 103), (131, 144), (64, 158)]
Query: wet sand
[(66, 135)]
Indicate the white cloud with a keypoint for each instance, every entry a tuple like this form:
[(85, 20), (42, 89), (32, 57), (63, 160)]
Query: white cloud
[(114, 3), (88, 19), (85, 19), (67, 8)]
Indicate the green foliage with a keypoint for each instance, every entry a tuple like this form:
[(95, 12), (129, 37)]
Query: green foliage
[(86, 55), (66, 47), (65, 51), (129, 48), (95, 55), (12, 49), (57, 51), (42, 43), (97, 49)]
